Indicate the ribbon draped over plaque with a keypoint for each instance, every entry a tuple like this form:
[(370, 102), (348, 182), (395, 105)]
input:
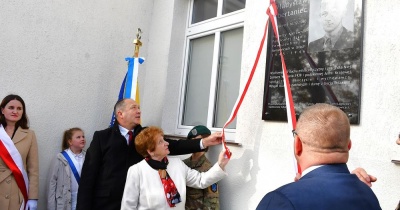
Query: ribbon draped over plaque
[(272, 12)]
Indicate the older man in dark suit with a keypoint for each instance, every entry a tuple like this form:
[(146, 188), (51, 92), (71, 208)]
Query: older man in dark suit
[(336, 35), (112, 152), (321, 147)]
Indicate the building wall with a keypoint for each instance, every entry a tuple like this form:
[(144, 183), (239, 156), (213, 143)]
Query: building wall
[(67, 61), (264, 161)]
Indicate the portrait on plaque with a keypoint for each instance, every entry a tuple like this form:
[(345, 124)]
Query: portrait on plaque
[(321, 42), (331, 25)]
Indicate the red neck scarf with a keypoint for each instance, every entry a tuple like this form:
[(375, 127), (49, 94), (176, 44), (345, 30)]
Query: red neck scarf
[(171, 193)]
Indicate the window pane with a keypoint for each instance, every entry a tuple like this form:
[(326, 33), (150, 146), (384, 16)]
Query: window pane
[(204, 10), (232, 5), (198, 81), (229, 76)]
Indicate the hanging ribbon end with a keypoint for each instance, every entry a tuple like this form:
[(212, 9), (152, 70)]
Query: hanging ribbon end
[(228, 153)]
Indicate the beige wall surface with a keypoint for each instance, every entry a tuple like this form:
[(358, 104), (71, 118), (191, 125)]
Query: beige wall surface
[(66, 59), (264, 161), (267, 146)]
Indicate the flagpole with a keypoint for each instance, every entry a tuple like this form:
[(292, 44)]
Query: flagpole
[(135, 85), (129, 87), (137, 43)]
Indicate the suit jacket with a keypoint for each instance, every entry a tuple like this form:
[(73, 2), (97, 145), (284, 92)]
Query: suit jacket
[(346, 40), (107, 161), (329, 187), (10, 195)]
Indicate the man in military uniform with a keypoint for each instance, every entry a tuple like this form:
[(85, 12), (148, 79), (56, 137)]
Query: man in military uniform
[(201, 199)]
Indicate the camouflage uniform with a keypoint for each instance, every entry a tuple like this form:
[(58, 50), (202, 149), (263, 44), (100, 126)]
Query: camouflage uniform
[(201, 199)]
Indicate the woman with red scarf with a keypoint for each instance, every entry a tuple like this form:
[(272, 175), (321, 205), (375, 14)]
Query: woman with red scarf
[(158, 182)]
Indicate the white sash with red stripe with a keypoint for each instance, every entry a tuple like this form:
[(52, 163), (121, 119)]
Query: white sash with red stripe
[(12, 158)]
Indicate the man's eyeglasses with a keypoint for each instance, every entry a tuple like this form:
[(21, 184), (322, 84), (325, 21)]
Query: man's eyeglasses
[(295, 133)]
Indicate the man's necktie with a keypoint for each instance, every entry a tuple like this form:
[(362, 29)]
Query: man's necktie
[(130, 133), (328, 44)]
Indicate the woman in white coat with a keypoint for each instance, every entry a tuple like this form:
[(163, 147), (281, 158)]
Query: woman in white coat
[(158, 182)]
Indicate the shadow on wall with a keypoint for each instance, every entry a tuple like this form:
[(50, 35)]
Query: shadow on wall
[(242, 179)]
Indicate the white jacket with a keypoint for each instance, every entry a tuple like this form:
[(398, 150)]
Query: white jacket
[(144, 190)]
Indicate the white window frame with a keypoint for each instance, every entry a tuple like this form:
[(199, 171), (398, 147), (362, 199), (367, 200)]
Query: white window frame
[(211, 26)]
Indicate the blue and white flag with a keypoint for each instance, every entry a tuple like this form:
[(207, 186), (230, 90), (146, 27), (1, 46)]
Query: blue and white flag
[(130, 87)]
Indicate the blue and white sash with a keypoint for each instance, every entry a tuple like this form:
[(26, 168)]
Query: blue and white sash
[(72, 163)]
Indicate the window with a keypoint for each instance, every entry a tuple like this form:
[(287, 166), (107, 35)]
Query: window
[(210, 83)]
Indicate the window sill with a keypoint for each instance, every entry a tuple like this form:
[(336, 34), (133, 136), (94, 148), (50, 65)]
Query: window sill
[(396, 161), (180, 137)]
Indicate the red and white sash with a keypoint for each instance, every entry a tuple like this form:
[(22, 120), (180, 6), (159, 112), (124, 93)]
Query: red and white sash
[(12, 158)]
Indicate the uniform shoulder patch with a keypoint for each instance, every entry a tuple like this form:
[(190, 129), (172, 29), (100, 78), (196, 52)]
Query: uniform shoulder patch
[(214, 187)]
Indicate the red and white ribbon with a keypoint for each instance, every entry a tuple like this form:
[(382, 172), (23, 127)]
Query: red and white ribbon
[(12, 158), (243, 93), (272, 11)]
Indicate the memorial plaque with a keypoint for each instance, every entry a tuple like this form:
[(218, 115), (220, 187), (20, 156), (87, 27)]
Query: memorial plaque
[(322, 45)]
